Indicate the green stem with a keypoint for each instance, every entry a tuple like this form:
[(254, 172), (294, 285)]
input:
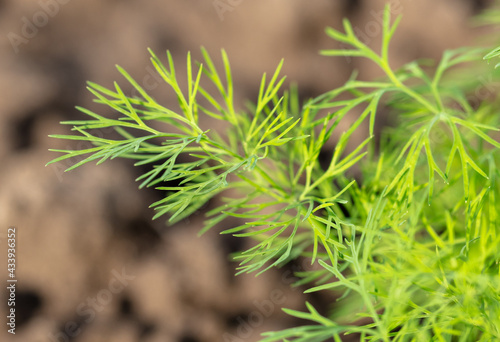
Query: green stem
[(384, 64)]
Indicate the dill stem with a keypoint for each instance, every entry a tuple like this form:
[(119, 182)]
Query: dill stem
[(384, 64)]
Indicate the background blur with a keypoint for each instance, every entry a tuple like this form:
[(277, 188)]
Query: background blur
[(91, 264)]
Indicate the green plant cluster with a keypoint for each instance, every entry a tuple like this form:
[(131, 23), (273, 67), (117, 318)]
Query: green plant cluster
[(404, 226)]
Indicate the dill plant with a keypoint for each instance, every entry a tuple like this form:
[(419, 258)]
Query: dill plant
[(409, 246)]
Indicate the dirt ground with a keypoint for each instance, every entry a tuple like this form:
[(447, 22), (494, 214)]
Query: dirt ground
[(91, 265)]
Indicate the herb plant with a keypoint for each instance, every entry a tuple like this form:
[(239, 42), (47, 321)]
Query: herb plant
[(404, 226)]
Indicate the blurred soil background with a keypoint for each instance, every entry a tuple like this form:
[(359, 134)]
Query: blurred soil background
[(91, 265)]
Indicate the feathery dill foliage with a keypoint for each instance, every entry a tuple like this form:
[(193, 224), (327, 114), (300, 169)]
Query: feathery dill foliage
[(413, 252)]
